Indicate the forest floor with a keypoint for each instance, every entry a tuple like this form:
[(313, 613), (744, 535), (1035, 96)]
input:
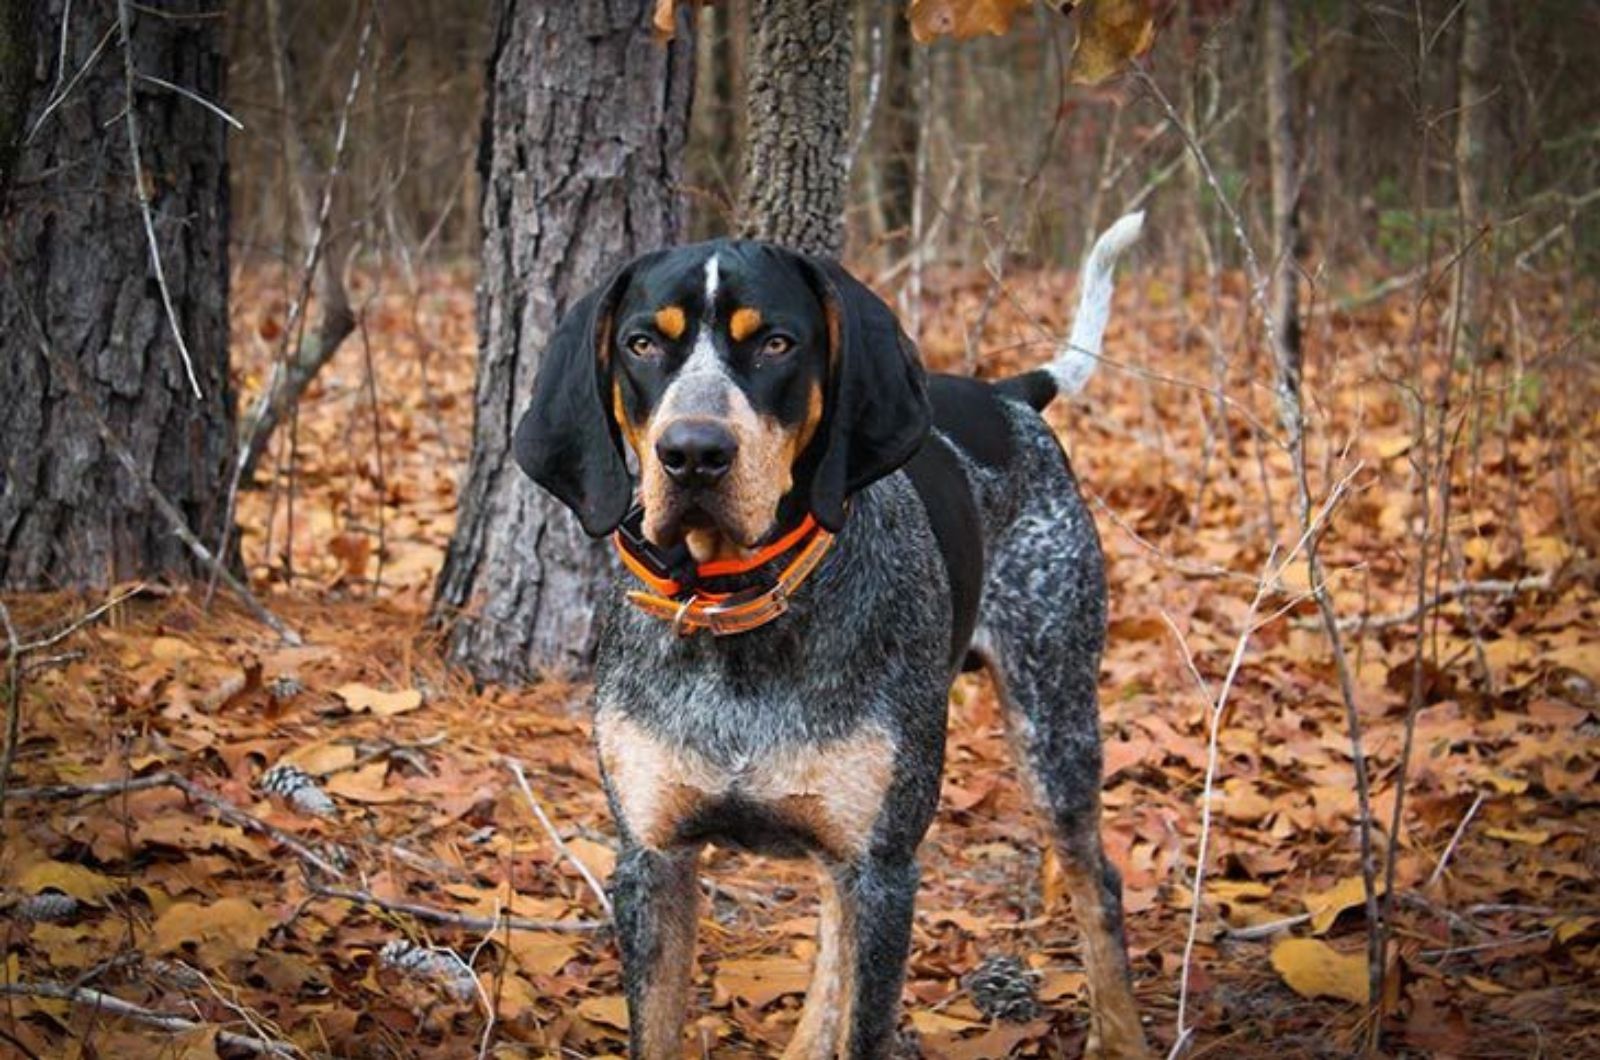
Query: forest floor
[(202, 902)]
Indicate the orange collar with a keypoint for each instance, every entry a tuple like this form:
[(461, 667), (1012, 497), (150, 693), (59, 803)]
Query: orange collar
[(724, 596)]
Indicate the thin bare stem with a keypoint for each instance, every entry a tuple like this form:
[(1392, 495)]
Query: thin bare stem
[(555, 836), (131, 121)]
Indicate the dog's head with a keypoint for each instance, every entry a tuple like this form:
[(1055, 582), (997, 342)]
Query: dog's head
[(751, 384)]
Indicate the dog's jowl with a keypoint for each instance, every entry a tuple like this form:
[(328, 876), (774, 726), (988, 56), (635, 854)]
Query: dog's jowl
[(817, 536)]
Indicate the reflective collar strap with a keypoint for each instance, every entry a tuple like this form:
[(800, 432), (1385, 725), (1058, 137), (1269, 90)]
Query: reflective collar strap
[(723, 613)]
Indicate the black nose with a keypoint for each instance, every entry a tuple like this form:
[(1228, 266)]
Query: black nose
[(696, 452)]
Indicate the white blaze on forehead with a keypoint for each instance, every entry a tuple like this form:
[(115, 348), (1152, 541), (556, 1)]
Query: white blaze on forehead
[(702, 376), (711, 286)]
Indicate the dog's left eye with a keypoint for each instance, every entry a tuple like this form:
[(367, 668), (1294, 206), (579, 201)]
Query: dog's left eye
[(777, 345), (643, 346)]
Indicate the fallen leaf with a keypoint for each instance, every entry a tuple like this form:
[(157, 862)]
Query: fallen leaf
[(1325, 906), (226, 930), (79, 881), (758, 981), (609, 1011), (364, 699), (1312, 968)]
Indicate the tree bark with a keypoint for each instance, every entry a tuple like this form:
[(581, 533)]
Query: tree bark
[(581, 161), (1283, 300), (16, 82), (902, 132), (76, 254), (798, 129), (1471, 156)]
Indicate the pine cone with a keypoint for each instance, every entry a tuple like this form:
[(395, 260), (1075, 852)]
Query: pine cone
[(443, 970), (1002, 989), (299, 788)]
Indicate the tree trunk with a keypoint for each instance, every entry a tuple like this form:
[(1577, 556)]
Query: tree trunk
[(902, 131), (581, 160), (79, 261), (799, 124), (1283, 299), (1472, 130), (16, 82)]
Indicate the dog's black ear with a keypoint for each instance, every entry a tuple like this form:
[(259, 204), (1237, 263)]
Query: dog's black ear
[(568, 441), (876, 410)]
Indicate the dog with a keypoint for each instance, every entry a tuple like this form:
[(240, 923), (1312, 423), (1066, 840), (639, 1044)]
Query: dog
[(817, 536)]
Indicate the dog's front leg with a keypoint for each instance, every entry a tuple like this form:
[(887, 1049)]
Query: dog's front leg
[(877, 896), (656, 895)]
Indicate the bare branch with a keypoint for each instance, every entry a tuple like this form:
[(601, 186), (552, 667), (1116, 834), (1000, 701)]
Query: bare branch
[(130, 119), (100, 1001), (555, 836), (433, 915)]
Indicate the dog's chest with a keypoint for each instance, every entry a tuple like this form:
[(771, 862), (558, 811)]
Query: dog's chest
[(808, 796)]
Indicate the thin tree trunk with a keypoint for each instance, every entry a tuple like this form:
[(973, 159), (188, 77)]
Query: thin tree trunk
[(902, 133), (799, 124), (75, 251), (1284, 297), (327, 237), (581, 159), (1471, 157)]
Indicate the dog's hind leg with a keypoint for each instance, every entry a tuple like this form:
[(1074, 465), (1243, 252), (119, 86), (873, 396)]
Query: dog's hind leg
[(1058, 753), (821, 1028), (657, 899), (1040, 636)]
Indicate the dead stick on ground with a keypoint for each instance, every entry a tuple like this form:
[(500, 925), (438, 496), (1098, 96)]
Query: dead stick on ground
[(555, 836), (223, 808), (67, 372), (434, 915), (100, 1001), (1455, 837)]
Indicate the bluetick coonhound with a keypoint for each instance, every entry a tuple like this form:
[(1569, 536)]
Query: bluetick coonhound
[(818, 537)]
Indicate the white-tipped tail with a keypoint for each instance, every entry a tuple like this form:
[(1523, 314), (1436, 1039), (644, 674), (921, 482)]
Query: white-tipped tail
[(1078, 358)]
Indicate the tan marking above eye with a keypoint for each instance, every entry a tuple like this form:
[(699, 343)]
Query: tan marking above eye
[(671, 322), (744, 323)]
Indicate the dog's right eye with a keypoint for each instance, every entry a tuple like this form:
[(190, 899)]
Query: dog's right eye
[(643, 346)]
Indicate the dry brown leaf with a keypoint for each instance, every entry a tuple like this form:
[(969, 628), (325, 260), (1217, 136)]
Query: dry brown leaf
[(759, 981), (362, 698), (1312, 968), (609, 1011), (1111, 33), (226, 930), (1325, 906), (79, 881), (961, 19)]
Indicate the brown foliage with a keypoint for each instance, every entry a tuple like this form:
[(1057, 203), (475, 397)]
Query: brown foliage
[(177, 910)]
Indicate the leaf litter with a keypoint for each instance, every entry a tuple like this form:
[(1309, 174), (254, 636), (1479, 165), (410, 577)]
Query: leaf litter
[(451, 902)]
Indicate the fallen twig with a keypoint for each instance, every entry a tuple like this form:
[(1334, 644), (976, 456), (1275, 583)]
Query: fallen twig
[(1455, 837), (101, 1001), (224, 809), (1450, 593), (434, 915), (13, 701), (555, 836)]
